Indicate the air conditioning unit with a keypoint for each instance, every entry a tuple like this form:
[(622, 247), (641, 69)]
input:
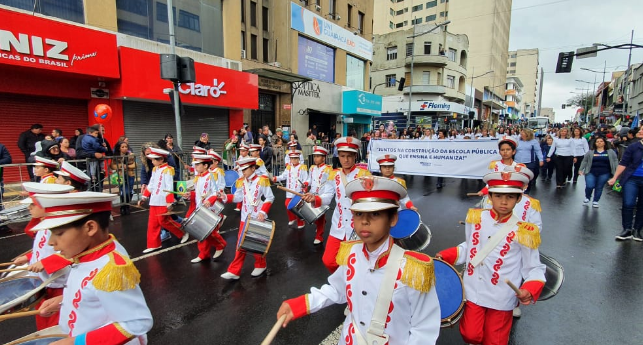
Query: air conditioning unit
[(318, 8), (243, 53), (275, 64)]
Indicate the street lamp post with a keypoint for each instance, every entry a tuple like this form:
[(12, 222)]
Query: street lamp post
[(408, 115), (600, 99)]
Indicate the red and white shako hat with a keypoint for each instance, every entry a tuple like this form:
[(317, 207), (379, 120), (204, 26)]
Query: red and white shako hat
[(198, 150), (157, 153), (61, 209), (66, 169), (292, 143), (246, 163), (507, 181), (201, 158), (255, 147), (294, 154), (522, 169), (46, 162), (374, 193), (215, 155), (386, 159), (348, 144), (244, 147), (43, 188), (508, 139), (320, 150)]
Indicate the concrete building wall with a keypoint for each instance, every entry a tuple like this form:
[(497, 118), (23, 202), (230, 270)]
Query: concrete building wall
[(635, 104), (549, 112), (101, 14), (523, 63)]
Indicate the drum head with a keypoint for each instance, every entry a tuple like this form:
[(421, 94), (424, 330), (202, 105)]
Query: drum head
[(408, 222), (293, 202), (448, 285), (41, 341), (554, 275), (12, 289), (242, 235), (230, 177)]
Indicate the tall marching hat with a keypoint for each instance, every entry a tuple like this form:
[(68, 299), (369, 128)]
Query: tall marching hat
[(294, 154), (62, 209), (292, 143), (386, 159), (255, 147), (522, 169), (66, 169), (43, 188), (347, 144), (246, 163), (40, 161), (215, 155), (320, 150), (201, 158), (507, 181), (157, 153), (374, 193)]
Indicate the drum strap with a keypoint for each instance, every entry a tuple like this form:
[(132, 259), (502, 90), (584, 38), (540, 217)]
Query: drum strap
[(495, 240)]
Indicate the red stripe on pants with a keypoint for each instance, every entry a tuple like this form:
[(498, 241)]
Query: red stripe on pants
[(481, 325), (237, 264), (214, 240), (50, 321), (154, 224), (330, 254)]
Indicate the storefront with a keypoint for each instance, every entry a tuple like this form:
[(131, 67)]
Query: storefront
[(316, 103), (359, 108)]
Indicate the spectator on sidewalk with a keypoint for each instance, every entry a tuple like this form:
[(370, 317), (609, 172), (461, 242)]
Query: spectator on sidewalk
[(27, 143), (266, 153), (5, 158), (66, 149), (51, 150), (72, 141), (203, 142), (57, 134), (278, 135)]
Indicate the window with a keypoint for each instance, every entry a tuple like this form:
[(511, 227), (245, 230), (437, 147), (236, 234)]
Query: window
[(391, 25), (427, 48), (430, 18), (409, 49), (399, 13), (332, 6), (134, 6), (399, 25), (446, 14), (243, 40), (189, 21), (399, 0), (360, 22), (441, 14), (129, 28), (392, 12), (426, 78), (350, 13), (243, 11), (416, 21), (390, 80), (264, 18), (406, 22), (253, 47), (391, 53), (450, 81), (161, 13), (443, 1), (65, 9), (266, 42), (513, 56), (439, 82), (355, 72), (452, 53), (431, 4), (513, 64), (406, 9), (253, 13), (511, 71), (318, 2), (417, 8)]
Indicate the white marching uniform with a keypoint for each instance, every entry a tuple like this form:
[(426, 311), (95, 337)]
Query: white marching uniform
[(527, 210), (249, 191), (162, 179), (41, 250), (219, 178), (295, 177), (317, 177)]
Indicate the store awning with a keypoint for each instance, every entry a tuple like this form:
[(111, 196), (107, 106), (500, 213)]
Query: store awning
[(279, 75)]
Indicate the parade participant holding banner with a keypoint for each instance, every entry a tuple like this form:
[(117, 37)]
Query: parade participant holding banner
[(102, 302), (161, 181), (389, 291), (205, 194), (387, 168), (294, 174), (250, 189), (44, 168), (255, 151), (342, 222), (317, 177), (507, 149), (498, 247)]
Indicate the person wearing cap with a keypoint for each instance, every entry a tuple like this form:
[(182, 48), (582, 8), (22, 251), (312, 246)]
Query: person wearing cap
[(71, 176), (507, 149), (293, 145), (390, 292), (102, 301), (251, 188), (498, 247), (255, 152), (317, 177), (294, 174), (341, 228), (44, 168), (160, 201), (244, 151), (218, 174), (387, 168), (205, 193)]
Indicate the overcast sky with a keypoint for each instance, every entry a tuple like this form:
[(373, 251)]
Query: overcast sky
[(555, 26)]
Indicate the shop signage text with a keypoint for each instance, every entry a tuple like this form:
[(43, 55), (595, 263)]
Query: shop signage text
[(308, 89), (434, 105), (201, 90)]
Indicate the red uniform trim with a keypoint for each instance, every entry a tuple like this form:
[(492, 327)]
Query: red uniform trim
[(108, 335), (54, 263), (534, 287), (318, 201), (450, 255), (299, 306), (33, 222), (266, 207)]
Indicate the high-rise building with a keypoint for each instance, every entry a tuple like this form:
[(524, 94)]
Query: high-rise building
[(514, 99), (523, 63), (548, 112)]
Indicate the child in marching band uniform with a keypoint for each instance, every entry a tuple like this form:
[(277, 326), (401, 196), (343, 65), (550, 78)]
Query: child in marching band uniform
[(294, 174), (317, 177), (507, 149), (219, 174), (292, 146), (250, 189), (205, 193), (44, 168), (255, 151), (102, 302), (161, 181), (243, 154), (498, 247), (71, 176), (387, 168), (389, 291)]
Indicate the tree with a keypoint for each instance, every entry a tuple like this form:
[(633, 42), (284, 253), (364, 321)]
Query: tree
[(584, 101)]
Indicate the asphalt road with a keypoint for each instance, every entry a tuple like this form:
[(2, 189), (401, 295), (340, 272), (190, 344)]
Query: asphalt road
[(599, 303)]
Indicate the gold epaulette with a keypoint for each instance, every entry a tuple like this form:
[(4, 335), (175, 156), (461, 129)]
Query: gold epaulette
[(363, 172), (169, 170), (401, 181), (119, 274), (239, 182), (528, 235), (264, 181), (328, 169), (492, 165), (304, 167), (288, 166), (344, 250), (418, 272), (332, 174), (535, 204), (260, 162), (474, 216)]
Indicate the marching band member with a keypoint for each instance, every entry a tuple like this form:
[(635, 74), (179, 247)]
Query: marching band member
[(44, 168), (71, 176), (498, 246), (250, 189), (205, 194), (387, 168), (507, 149), (255, 151), (317, 177), (294, 174), (244, 150), (342, 223), (219, 174), (389, 291), (160, 200), (102, 302), (196, 150), (292, 146)]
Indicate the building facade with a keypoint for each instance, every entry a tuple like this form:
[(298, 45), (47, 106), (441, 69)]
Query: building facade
[(550, 113), (523, 64), (635, 93), (514, 99)]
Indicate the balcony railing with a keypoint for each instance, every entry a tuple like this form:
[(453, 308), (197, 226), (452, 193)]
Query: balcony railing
[(428, 60)]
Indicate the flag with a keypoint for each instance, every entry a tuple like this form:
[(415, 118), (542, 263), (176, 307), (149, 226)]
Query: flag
[(181, 186), (618, 122), (635, 122)]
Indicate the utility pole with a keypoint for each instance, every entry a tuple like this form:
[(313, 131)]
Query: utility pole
[(177, 110), (626, 83)]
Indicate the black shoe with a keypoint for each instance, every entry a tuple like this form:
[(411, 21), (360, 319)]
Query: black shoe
[(626, 234), (637, 236), (122, 210), (438, 185)]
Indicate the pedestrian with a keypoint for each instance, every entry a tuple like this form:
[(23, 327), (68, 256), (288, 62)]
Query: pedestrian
[(294, 175), (250, 191), (230, 152), (529, 153), (278, 156), (376, 275), (548, 167), (442, 135), (514, 256), (51, 150), (278, 135), (581, 147), (27, 143), (265, 153), (247, 136), (5, 158), (598, 165), (72, 141), (124, 165), (66, 149), (57, 134), (92, 146), (203, 142), (317, 176), (564, 158)]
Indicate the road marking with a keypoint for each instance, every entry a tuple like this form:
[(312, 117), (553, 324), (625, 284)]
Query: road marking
[(10, 236)]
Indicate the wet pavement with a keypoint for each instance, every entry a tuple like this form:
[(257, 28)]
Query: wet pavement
[(599, 303)]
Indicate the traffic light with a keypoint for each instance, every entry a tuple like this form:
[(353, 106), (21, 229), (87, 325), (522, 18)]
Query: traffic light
[(563, 106), (401, 86), (564, 64)]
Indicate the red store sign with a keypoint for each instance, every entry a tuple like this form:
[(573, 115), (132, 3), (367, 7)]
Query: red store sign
[(215, 86), (36, 42)]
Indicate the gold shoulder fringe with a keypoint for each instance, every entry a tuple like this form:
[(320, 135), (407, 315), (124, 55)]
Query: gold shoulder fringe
[(528, 235), (344, 250), (332, 174), (535, 204), (115, 277), (418, 274), (363, 172), (169, 170), (492, 165), (303, 166), (260, 162), (264, 181), (401, 181), (474, 216), (239, 183)]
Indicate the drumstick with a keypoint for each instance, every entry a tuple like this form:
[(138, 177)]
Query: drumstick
[(173, 192), (6, 264), (23, 254), (273, 332), (17, 315), (290, 191), (512, 286), (472, 194), (461, 222), (14, 269)]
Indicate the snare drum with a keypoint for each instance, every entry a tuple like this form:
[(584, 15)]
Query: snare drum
[(409, 232), (450, 290), (42, 337), (201, 223), (20, 293), (554, 276), (256, 236), (305, 211), (217, 207), (4, 275), (14, 214)]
